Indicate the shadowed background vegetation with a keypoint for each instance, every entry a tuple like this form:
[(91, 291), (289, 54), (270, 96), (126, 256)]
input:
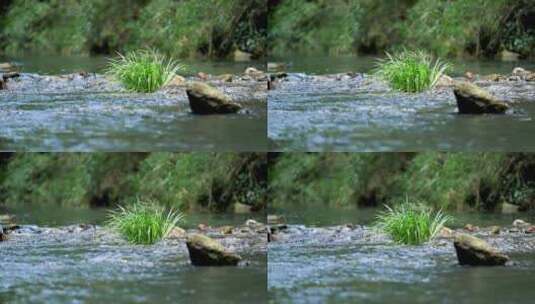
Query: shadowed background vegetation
[(452, 181), (183, 28), (446, 28), (186, 181)]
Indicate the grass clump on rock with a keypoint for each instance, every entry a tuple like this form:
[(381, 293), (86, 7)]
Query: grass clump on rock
[(143, 71), (410, 71), (411, 224), (144, 223)]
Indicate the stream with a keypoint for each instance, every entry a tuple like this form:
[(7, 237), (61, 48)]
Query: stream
[(317, 262), (56, 261), (311, 112), (75, 113)]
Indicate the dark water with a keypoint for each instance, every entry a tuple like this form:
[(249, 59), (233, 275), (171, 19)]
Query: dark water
[(359, 115), (55, 65), (310, 270), (365, 64), (95, 266), (75, 118)]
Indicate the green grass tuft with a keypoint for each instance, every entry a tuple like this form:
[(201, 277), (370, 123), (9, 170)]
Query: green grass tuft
[(143, 71), (411, 224), (410, 71), (143, 223)]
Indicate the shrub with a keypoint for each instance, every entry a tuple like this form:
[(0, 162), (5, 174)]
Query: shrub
[(143, 71), (410, 223), (410, 71), (144, 222)]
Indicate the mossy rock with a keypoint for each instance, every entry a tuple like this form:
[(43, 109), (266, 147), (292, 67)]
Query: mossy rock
[(204, 99), (476, 252), (204, 251), (472, 99)]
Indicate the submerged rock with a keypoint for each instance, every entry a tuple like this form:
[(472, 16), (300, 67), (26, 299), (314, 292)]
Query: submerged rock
[(204, 99), (473, 100), (476, 252), (204, 251)]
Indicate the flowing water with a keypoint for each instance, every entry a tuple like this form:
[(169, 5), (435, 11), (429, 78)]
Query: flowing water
[(340, 265), (68, 264), (76, 117), (359, 114)]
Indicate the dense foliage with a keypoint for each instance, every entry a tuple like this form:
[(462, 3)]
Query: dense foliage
[(212, 181), (446, 28), (179, 28), (442, 180)]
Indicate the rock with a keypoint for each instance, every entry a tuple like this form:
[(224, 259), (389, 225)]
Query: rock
[(176, 233), (6, 219), (445, 81), (5, 66), (203, 227), (476, 252), (494, 77), (474, 100), (509, 208), (204, 99), (204, 251), (241, 56), (203, 76), (518, 223), (226, 77), (446, 232), (506, 55), (471, 228), (276, 66), (2, 83), (254, 73), (469, 75), (240, 208), (176, 81), (520, 72), (530, 229), (226, 229), (495, 230), (253, 224), (275, 219)]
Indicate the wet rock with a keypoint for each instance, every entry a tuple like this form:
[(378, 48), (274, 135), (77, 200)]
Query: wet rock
[(495, 230), (203, 227), (494, 77), (445, 81), (508, 56), (473, 100), (471, 228), (275, 219), (204, 99), (241, 56), (530, 230), (204, 251), (203, 76), (276, 66), (226, 77), (520, 72), (176, 233), (253, 224), (226, 229), (254, 73), (2, 83), (6, 66), (476, 252), (446, 232), (6, 219), (176, 81), (518, 223)]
